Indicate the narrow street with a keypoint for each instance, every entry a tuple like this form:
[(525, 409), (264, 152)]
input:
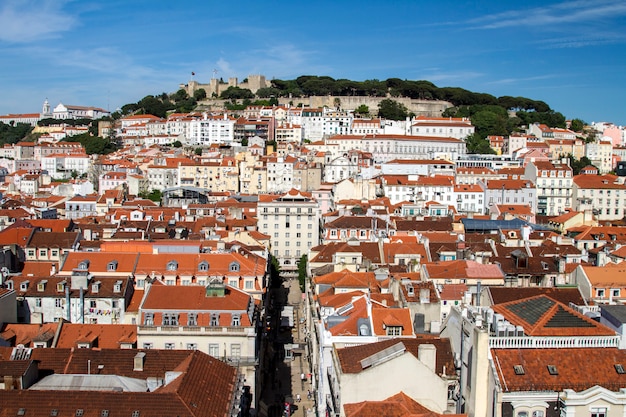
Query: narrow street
[(286, 388)]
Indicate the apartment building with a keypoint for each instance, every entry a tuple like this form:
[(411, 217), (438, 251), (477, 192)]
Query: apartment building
[(292, 220), (553, 181)]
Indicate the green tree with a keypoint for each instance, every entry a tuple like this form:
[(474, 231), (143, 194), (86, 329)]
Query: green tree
[(94, 145), (577, 125), (302, 272), (199, 94), (392, 110), (363, 110), (180, 95), (267, 92), (578, 164), (177, 144), (478, 145), (154, 195), (198, 151), (236, 93)]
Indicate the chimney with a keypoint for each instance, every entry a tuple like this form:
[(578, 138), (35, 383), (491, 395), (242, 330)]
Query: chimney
[(138, 361), (427, 354)]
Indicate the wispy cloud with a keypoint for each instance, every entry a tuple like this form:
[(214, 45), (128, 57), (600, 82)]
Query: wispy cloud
[(24, 21), (523, 79), (552, 15)]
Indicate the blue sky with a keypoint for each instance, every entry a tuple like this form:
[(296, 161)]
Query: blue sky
[(570, 54)]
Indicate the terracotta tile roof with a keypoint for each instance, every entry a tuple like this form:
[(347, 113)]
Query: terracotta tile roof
[(104, 336), (37, 268), (204, 388), (543, 316), (400, 405), (26, 334), (370, 251), (350, 357), (463, 269), (610, 275), (62, 240), (453, 291), (99, 261), (15, 236), (135, 301), (194, 298), (574, 369), (382, 318), (595, 182)]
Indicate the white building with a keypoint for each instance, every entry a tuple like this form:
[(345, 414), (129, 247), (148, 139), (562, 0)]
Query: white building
[(211, 130), (554, 186), (292, 220)]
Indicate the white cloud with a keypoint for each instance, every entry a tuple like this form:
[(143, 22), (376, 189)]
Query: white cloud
[(553, 15), (23, 21)]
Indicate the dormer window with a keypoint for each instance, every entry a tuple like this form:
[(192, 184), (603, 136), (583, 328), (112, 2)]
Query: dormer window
[(95, 287), (117, 287), (112, 266), (236, 322), (172, 266), (61, 286), (394, 330), (215, 319), (203, 266), (84, 265), (24, 286), (9, 285), (234, 267), (41, 285)]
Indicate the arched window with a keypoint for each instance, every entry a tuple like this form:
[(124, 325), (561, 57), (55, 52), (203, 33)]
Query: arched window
[(203, 266), (112, 266), (234, 267), (172, 266)]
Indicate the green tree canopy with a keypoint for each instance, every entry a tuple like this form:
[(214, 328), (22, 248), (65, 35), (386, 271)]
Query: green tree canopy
[(13, 133), (392, 110), (236, 93), (199, 94), (93, 144)]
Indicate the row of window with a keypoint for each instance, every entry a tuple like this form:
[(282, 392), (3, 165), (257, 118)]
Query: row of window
[(173, 319), (214, 348)]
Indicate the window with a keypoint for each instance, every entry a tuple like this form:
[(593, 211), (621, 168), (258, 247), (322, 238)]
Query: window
[(92, 303), (148, 345), (31, 253), (37, 302), (214, 349), (598, 411), (600, 292), (394, 331), (234, 267), (112, 266), (192, 346), (619, 368), (615, 292), (149, 319), (104, 413), (236, 320), (538, 413), (172, 266), (203, 266), (170, 319), (249, 285), (215, 319), (522, 414), (192, 319), (552, 370), (79, 412), (235, 350), (170, 346), (43, 252), (58, 302), (519, 370)]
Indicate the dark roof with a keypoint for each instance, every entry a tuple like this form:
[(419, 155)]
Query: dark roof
[(543, 316), (567, 295)]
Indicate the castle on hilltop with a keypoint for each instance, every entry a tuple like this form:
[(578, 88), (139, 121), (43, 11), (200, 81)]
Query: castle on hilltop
[(215, 87)]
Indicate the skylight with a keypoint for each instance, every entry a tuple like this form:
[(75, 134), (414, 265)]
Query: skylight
[(552, 370), (619, 368), (519, 370)]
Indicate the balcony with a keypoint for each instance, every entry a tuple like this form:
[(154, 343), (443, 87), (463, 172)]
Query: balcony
[(529, 342)]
